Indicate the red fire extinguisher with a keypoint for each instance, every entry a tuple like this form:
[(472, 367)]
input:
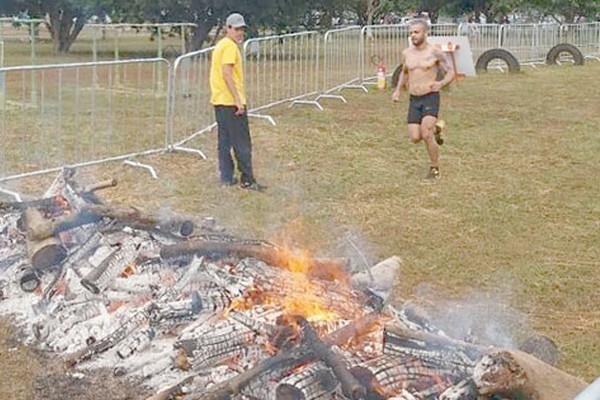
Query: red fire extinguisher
[(381, 71)]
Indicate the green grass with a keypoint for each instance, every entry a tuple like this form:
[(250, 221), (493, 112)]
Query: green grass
[(515, 218)]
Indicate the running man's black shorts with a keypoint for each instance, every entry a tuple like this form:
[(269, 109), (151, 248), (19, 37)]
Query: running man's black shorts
[(420, 106)]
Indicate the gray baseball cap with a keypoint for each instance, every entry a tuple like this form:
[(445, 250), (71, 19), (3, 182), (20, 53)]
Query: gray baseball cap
[(235, 20)]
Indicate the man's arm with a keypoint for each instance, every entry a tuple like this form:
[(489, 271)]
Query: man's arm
[(228, 77), (445, 66), (402, 80)]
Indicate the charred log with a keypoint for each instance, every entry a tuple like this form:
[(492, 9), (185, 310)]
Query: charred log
[(351, 387), (312, 382), (449, 356), (517, 374), (43, 249), (323, 268), (171, 391), (301, 355)]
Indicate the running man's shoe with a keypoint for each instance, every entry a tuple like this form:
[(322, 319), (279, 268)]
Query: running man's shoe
[(434, 173), (440, 126)]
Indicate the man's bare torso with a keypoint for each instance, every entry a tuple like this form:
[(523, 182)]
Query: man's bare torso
[(421, 66)]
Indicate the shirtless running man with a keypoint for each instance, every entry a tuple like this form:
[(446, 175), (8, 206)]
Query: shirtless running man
[(420, 66)]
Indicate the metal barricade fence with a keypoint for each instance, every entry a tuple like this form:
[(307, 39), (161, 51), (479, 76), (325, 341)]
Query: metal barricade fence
[(78, 114), (586, 37), (342, 54), (190, 111), (384, 42), (521, 40), (1, 65), (482, 37), (443, 30), (546, 37), (280, 69)]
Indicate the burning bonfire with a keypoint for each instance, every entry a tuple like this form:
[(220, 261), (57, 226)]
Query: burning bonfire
[(196, 313)]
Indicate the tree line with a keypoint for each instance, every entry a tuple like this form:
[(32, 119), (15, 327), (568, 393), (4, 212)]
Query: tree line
[(66, 18)]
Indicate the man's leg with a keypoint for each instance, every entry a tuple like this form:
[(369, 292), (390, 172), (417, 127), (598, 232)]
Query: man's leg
[(242, 147), (427, 132), (224, 116), (414, 132), (439, 134)]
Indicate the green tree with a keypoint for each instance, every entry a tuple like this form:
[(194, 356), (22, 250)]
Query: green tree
[(65, 18), (209, 15), (493, 10), (567, 11)]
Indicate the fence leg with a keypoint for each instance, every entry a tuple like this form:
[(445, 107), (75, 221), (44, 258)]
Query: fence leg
[(313, 102), (267, 117), (15, 195), (140, 165)]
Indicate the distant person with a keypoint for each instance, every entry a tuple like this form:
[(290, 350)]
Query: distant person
[(229, 100), (421, 64)]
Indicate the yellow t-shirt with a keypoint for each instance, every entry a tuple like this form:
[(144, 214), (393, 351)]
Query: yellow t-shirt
[(226, 52)]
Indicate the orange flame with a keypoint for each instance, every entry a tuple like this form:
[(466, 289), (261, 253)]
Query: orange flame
[(305, 299)]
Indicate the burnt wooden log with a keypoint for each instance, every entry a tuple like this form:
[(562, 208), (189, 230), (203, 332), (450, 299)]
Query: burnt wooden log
[(449, 356), (171, 391), (292, 359), (139, 318), (385, 376), (463, 390), (40, 228), (47, 203), (99, 186), (120, 258), (323, 268), (43, 250), (515, 374), (314, 381), (351, 387)]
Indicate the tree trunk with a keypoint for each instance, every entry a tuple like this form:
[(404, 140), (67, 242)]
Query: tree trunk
[(64, 26), (200, 34), (373, 8)]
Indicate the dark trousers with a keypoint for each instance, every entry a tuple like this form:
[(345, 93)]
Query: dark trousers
[(234, 134)]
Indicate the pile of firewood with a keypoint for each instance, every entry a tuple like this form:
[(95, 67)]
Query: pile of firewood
[(193, 311)]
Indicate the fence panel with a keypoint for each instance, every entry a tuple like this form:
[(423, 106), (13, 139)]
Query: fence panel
[(341, 65), (585, 36), (546, 37), (79, 114), (281, 68), (384, 42), (482, 37), (521, 40), (190, 111)]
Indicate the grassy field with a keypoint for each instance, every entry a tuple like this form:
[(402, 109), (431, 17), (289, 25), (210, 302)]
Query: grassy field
[(513, 225)]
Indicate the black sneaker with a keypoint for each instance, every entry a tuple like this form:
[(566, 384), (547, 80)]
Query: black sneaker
[(232, 182), (257, 187), (439, 132), (434, 173)]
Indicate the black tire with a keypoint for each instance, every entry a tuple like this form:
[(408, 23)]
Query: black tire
[(555, 52), (497, 54)]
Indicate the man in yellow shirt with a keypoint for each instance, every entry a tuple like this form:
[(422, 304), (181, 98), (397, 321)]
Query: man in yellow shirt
[(229, 100)]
